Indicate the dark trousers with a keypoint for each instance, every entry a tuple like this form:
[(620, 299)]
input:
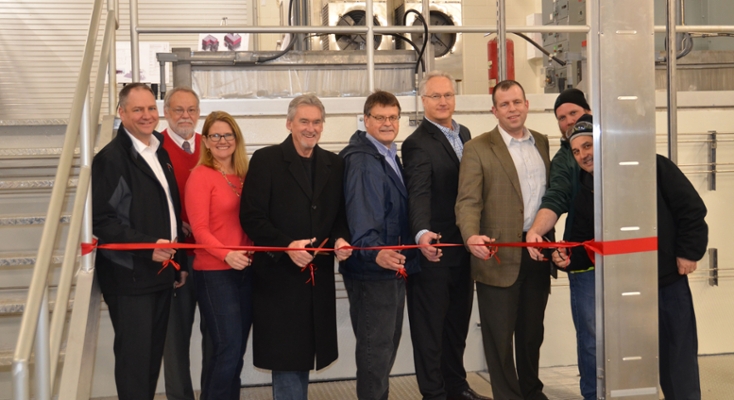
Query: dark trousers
[(376, 310), (519, 310), (679, 377), (176, 357), (225, 300), (439, 308), (140, 323)]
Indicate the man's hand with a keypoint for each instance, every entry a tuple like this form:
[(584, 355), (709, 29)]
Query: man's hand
[(342, 254), (561, 258), (476, 244), (300, 257), (186, 228), (685, 266), (181, 281), (160, 255), (534, 237), (390, 259), (432, 254), (238, 259)]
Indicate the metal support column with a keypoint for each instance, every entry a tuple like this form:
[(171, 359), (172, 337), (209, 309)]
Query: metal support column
[(134, 41), (182, 67), (623, 104), (672, 83), (370, 45), (502, 39)]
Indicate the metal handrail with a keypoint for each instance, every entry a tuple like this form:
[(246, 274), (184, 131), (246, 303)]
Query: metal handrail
[(34, 322)]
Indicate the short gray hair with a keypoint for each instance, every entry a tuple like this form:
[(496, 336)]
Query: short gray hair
[(435, 74), (184, 89), (308, 99)]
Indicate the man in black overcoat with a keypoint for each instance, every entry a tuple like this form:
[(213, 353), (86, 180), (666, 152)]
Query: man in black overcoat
[(293, 197)]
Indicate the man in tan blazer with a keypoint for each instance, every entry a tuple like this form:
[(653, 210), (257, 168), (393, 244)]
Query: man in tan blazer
[(502, 179)]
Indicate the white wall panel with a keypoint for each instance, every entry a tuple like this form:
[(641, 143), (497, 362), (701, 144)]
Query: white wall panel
[(42, 41)]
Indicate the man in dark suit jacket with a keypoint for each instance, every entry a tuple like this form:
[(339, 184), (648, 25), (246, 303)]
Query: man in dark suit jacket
[(503, 177), (293, 197), (440, 296), (135, 200)]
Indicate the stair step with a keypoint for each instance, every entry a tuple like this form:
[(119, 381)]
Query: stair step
[(6, 358), (17, 259), (13, 220), (25, 184), (13, 301)]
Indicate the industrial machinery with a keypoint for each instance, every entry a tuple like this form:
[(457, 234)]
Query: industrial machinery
[(447, 47), (568, 47), (352, 13)]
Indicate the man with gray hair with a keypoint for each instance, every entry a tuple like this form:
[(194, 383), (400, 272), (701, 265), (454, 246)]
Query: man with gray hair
[(440, 297), (293, 197), (181, 110)]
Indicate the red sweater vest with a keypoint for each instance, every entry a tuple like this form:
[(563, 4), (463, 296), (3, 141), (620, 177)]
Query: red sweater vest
[(183, 163)]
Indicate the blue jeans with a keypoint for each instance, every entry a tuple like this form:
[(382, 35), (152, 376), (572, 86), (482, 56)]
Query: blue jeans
[(225, 300), (583, 311), (376, 310), (290, 385)]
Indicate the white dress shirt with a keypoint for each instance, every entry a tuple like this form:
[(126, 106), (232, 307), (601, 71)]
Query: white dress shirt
[(530, 171), (149, 155)]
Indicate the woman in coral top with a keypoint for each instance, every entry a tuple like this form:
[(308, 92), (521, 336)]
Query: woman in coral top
[(223, 281)]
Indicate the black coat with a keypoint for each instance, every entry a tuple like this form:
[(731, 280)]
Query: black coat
[(129, 205), (293, 321), (432, 177)]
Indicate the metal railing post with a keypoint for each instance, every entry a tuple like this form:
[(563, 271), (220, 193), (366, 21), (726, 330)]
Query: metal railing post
[(42, 373)]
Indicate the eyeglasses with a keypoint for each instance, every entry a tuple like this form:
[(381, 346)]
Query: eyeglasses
[(381, 119), (180, 111), (217, 137), (582, 126), (437, 97)]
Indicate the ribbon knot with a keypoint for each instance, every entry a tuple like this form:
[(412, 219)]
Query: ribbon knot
[(168, 262), (312, 268)]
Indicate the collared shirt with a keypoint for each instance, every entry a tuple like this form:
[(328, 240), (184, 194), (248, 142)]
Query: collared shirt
[(149, 155), (530, 171), (180, 141), (390, 154), (452, 135)]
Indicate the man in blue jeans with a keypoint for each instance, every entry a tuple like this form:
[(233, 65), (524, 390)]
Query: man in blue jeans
[(377, 213), (570, 105), (682, 239)]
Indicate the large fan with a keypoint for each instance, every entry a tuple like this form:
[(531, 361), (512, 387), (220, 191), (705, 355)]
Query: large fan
[(442, 42), (355, 41)]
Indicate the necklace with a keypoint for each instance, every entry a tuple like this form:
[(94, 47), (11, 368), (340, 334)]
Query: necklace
[(234, 188)]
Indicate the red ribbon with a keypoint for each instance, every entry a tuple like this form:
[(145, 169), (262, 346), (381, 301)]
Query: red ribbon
[(607, 248), (312, 268)]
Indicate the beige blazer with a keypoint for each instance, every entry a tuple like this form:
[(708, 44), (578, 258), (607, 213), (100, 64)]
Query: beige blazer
[(490, 203)]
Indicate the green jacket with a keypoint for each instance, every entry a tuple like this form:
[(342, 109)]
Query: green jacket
[(563, 185)]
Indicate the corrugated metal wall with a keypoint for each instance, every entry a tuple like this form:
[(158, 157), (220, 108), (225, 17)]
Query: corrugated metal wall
[(42, 41)]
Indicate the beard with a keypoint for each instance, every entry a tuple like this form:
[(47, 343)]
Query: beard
[(185, 131)]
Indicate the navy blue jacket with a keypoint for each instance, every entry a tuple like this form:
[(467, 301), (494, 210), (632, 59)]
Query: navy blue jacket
[(377, 210)]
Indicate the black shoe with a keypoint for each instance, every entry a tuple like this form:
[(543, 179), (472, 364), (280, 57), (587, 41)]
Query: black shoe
[(467, 394)]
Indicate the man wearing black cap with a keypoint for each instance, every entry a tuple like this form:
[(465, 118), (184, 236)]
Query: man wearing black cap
[(682, 238), (570, 106)]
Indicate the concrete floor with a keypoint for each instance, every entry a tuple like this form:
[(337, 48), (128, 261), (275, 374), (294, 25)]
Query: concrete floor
[(561, 383)]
